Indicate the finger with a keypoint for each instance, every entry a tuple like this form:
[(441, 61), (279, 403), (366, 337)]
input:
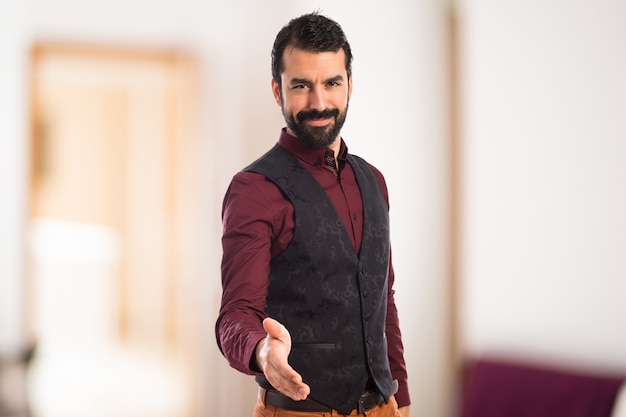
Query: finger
[(274, 328), (282, 372), (303, 391), (296, 392)]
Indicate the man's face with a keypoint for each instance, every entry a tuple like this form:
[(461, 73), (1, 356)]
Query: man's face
[(314, 95)]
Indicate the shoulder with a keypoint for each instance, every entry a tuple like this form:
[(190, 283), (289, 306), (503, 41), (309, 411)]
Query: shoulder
[(248, 189), (377, 173), (250, 181), (380, 178), (245, 182), (249, 192)]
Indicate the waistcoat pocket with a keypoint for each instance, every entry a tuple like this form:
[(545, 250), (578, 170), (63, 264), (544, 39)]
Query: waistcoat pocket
[(313, 346)]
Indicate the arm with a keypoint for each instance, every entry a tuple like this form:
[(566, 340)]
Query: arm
[(395, 348), (247, 233), (253, 231)]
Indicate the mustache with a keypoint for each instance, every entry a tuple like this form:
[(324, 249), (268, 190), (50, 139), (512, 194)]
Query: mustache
[(315, 114)]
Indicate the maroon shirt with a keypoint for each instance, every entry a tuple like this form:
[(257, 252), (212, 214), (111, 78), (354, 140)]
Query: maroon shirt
[(258, 224)]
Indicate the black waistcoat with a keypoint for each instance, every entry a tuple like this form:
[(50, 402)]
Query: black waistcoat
[(332, 301)]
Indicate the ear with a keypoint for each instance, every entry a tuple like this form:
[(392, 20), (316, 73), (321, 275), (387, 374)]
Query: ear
[(276, 92)]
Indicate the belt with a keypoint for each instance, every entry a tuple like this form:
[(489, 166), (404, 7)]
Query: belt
[(367, 401)]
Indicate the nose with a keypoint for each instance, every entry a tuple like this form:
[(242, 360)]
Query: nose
[(316, 98)]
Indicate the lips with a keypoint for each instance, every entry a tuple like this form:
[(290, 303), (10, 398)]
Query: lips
[(318, 122)]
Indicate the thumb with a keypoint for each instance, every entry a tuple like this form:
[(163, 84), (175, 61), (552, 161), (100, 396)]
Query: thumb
[(275, 329)]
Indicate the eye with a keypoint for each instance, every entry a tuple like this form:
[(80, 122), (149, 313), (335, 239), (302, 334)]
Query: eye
[(298, 86)]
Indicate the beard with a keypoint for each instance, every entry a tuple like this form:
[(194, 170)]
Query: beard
[(316, 136)]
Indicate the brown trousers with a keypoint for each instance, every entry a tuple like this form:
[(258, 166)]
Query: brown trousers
[(389, 409)]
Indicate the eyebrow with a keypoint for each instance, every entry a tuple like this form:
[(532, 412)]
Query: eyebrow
[(307, 81), (335, 78)]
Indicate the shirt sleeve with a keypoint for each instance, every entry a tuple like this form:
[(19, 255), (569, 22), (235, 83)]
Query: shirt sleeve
[(395, 348), (248, 227)]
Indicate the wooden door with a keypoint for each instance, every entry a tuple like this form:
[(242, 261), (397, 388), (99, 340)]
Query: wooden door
[(104, 210)]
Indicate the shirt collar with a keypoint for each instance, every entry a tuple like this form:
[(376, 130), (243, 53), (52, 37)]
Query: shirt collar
[(308, 154)]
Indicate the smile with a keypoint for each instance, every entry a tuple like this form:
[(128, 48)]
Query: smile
[(318, 122)]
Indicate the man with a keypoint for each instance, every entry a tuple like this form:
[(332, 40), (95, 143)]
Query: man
[(307, 302)]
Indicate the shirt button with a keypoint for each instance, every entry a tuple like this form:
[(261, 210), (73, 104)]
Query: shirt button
[(365, 293), (355, 217)]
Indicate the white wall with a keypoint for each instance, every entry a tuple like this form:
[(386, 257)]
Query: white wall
[(397, 121), (544, 180), (13, 127)]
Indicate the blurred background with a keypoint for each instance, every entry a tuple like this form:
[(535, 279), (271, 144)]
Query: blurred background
[(500, 127)]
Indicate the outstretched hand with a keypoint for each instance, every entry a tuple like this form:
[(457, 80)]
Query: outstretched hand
[(271, 355)]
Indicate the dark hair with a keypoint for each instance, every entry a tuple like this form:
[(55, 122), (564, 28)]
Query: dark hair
[(313, 33)]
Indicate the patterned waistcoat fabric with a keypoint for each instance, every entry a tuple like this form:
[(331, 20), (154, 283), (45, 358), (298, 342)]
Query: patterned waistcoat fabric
[(332, 301)]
